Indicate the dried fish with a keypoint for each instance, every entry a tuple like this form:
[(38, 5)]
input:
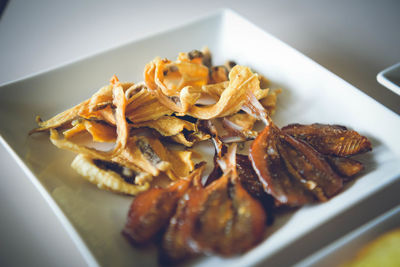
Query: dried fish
[(334, 140), (151, 211)]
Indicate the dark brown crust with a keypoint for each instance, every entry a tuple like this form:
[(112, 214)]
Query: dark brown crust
[(230, 221), (151, 211), (327, 139), (271, 170), (292, 171)]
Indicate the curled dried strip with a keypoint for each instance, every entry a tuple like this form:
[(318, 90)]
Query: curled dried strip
[(241, 124), (188, 139), (107, 175), (93, 108), (330, 139), (140, 156), (214, 90), (113, 156), (241, 80), (100, 131), (154, 79), (144, 106), (171, 77), (151, 211), (152, 156), (181, 131), (119, 101), (60, 119), (181, 97)]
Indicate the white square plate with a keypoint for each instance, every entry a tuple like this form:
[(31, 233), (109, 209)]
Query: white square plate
[(94, 218), (390, 78)]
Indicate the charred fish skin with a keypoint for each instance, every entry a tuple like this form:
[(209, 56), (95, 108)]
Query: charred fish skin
[(176, 245), (249, 181), (151, 211), (230, 221), (310, 167), (272, 171), (327, 139)]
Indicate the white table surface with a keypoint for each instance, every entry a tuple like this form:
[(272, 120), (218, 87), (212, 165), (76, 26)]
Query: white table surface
[(354, 39)]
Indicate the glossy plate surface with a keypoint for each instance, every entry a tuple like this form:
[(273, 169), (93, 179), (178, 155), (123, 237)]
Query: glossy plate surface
[(94, 218), (390, 78)]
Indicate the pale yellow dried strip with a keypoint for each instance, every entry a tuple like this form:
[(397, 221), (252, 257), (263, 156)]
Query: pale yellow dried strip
[(167, 125), (232, 98), (191, 139), (61, 118), (105, 179), (93, 153)]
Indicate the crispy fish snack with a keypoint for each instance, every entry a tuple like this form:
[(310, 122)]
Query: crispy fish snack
[(171, 77), (107, 178), (232, 98), (97, 107), (190, 139), (241, 124), (100, 131), (146, 156), (241, 79), (179, 130), (170, 89), (113, 156), (143, 105)]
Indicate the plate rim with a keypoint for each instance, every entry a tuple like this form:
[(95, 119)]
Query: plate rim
[(385, 81), (320, 254)]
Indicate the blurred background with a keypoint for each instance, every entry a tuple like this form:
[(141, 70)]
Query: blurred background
[(354, 39)]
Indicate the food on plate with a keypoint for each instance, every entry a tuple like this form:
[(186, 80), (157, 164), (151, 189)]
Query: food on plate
[(333, 140), (108, 175), (180, 102), (137, 119), (246, 174), (151, 211), (290, 170), (177, 129), (221, 218)]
